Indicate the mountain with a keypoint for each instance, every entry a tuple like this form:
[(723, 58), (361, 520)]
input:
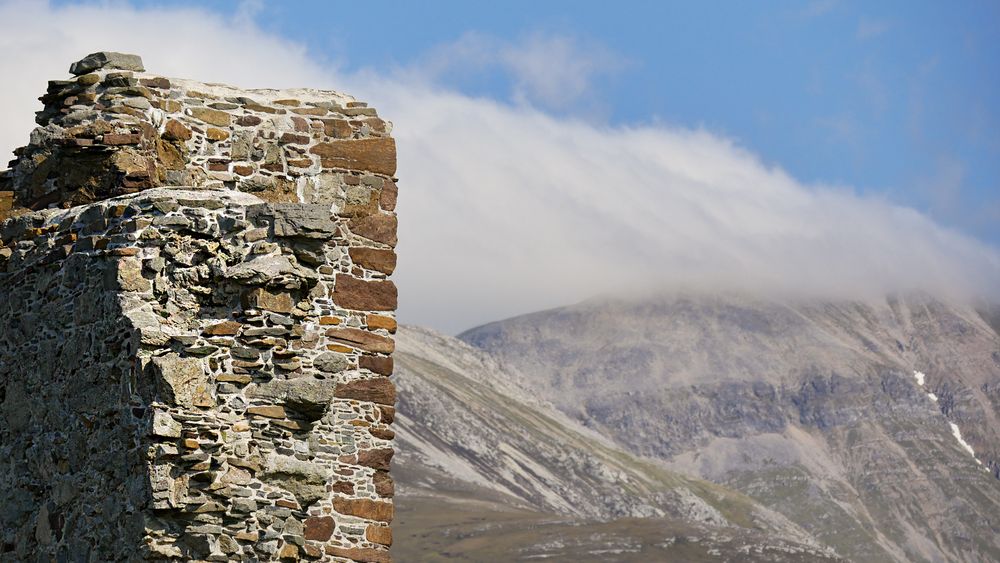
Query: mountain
[(487, 472), (873, 426)]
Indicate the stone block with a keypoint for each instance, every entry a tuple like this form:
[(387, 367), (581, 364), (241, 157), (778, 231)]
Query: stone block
[(371, 155), (362, 339), (379, 228), (106, 60), (350, 292), (319, 528), (379, 511), (378, 259), (377, 390), (182, 381)]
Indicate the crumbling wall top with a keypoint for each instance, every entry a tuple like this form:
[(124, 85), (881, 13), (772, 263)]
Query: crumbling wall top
[(115, 129)]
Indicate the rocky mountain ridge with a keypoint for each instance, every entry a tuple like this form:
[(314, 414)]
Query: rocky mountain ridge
[(811, 408), (472, 444)]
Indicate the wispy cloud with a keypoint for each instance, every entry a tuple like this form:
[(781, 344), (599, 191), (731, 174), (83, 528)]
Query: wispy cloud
[(818, 8), (505, 208), (551, 71), (869, 28)]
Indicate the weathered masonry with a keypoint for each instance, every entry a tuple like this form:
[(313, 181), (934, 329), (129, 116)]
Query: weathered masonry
[(196, 324)]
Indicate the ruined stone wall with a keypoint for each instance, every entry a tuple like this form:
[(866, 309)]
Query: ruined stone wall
[(196, 324)]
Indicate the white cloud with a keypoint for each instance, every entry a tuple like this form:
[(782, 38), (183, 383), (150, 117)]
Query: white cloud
[(507, 209), (551, 71)]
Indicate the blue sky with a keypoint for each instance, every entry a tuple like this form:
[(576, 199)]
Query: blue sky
[(892, 98), (553, 151)]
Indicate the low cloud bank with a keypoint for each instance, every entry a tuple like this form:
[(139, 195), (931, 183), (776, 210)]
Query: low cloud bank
[(506, 209)]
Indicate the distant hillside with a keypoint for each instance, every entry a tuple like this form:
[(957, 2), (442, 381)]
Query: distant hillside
[(486, 472), (813, 409)]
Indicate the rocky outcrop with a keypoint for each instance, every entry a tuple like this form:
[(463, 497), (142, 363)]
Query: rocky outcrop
[(192, 365), (475, 445), (811, 408)]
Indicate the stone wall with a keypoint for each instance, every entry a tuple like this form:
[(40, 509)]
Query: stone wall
[(197, 324)]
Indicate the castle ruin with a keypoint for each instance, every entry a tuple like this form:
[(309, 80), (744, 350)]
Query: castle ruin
[(197, 324)]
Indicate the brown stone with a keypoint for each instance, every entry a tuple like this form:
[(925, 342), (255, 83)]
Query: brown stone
[(379, 534), (260, 298), (301, 124), (288, 102), (294, 139), (157, 82), (176, 131), (364, 508), (388, 197), (88, 79), (362, 339), (225, 328), (378, 390), (376, 459), (6, 201), (284, 503), (360, 554), (343, 487), (247, 536), (214, 134), (169, 155), (211, 116), (381, 321), (339, 348), (379, 228), (374, 155), (233, 378), (319, 528), (264, 109), (248, 120), (288, 551), (382, 432), (310, 111), (243, 169), (383, 484), (387, 414), (270, 411), (337, 128), (364, 295), (381, 365), (380, 259), (330, 320), (122, 139), (169, 106)]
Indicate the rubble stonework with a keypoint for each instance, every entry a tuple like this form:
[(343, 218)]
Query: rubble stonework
[(197, 324)]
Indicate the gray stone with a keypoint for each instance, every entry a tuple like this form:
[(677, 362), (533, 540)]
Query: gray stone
[(106, 59), (311, 397), (268, 270), (165, 426), (136, 103), (182, 381), (305, 480), (299, 220), (331, 362)]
